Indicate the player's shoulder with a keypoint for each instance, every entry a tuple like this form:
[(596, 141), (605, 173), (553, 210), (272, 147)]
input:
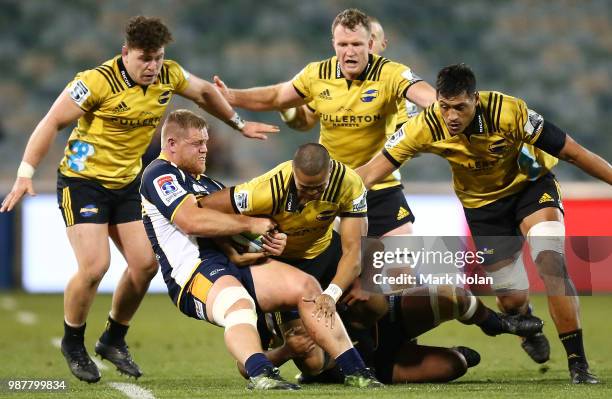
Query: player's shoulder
[(101, 80), (501, 111), (323, 69), (426, 127), (171, 72), (160, 167), (342, 180), (279, 175)]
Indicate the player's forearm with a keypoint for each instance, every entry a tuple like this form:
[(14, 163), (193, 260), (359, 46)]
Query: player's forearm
[(256, 99), (586, 160), (213, 102), (40, 141), (422, 94), (348, 270), (209, 223)]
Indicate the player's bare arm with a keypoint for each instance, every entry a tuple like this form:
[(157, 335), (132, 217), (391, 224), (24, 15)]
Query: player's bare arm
[(586, 160), (194, 220), (267, 98), (422, 94), (63, 112), (375, 170), (206, 95)]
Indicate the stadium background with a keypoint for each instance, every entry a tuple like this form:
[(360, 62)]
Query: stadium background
[(555, 55)]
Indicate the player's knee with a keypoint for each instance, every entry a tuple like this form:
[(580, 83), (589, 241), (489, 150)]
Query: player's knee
[(93, 273), (233, 306), (308, 287), (455, 366), (513, 303)]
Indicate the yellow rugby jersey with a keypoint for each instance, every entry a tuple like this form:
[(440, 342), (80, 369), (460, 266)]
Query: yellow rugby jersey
[(308, 227), (121, 117), (485, 162), (356, 115)]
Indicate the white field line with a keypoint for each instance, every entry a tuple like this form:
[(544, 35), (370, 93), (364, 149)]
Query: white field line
[(27, 318), (8, 303), (132, 391)]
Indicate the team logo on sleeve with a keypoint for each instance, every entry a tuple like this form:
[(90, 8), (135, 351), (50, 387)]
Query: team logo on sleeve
[(410, 77), (168, 188), (534, 124), (360, 204), (369, 95), (79, 92), (395, 138), (241, 199)]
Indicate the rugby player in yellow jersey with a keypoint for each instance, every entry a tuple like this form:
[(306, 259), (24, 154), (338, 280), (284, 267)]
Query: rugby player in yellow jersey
[(355, 95), (303, 197), (482, 135), (118, 106), (305, 117)]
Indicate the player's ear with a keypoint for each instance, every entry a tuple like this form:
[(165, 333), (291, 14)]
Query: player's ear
[(124, 51)]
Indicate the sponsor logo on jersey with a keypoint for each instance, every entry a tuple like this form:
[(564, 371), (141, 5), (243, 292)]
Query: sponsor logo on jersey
[(88, 210), (168, 188), (164, 97), (410, 77), (325, 95), (402, 213), (122, 107), (199, 189), (214, 272), (348, 120), (199, 308), (79, 92), (546, 198), (369, 95), (326, 215), (241, 199), (360, 204), (134, 123), (395, 138), (534, 124)]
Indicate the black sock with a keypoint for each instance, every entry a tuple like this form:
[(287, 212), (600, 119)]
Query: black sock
[(492, 324), (74, 335), (114, 333), (574, 347)]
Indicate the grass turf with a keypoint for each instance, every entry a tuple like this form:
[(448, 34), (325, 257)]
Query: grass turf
[(185, 358)]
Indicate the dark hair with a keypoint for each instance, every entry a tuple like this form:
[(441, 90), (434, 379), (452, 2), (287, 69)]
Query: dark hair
[(311, 159), (351, 18), (455, 79), (146, 33)]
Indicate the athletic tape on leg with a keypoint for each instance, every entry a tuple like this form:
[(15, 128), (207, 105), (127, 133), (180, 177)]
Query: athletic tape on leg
[(225, 299)]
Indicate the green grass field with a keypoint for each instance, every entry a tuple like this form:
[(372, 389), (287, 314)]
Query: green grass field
[(184, 358)]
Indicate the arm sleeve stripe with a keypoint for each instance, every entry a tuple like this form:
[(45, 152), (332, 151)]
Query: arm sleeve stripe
[(353, 215), (391, 159), (299, 92), (232, 190), (178, 206)]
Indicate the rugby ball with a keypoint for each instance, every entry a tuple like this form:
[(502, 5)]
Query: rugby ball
[(249, 242)]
